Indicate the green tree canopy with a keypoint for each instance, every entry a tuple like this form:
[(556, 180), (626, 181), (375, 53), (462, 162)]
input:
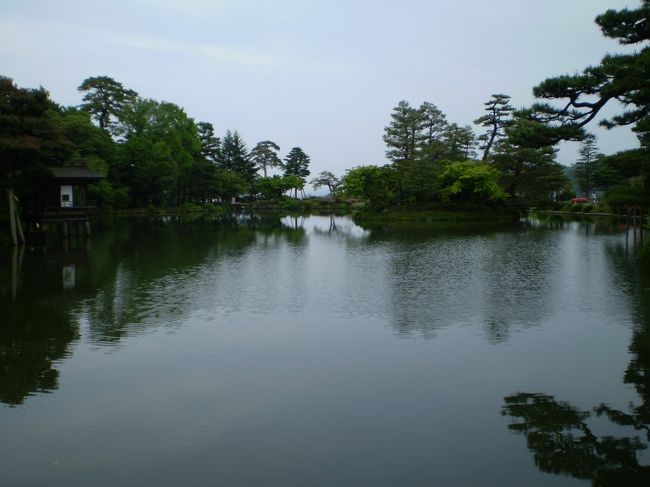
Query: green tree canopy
[(377, 185), (432, 139), (469, 181), (403, 136), (265, 155), (210, 143), (105, 98), (620, 77), (459, 143), (296, 163), (160, 149), (327, 179), (274, 187), (529, 173), (235, 156), (498, 117), (587, 165), (31, 136)]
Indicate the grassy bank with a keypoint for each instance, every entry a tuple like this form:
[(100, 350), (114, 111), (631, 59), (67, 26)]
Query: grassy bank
[(396, 216), (215, 210)]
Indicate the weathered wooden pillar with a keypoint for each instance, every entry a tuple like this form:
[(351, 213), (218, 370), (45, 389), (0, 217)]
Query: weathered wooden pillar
[(87, 225), (19, 225), (12, 216), (14, 273)]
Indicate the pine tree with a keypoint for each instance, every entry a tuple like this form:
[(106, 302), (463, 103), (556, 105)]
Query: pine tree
[(105, 98), (529, 173), (620, 77), (297, 164), (210, 144), (403, 135), (433, 127), (459, 143), (235, 156), (499, 116), (326, 178), (587, 165), (265, 155)]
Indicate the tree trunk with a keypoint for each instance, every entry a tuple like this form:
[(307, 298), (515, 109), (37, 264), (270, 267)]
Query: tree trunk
[(488, 146)]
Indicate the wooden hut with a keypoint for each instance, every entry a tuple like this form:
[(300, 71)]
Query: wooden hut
[(62, 197)]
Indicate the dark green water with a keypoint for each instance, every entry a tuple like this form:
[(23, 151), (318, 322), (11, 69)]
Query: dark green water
[(313, 352)]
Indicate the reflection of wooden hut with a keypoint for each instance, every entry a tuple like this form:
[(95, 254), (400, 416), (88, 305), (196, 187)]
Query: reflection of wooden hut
[(62, 198)]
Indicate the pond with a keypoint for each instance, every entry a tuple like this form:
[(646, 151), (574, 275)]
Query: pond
[(283, 351)]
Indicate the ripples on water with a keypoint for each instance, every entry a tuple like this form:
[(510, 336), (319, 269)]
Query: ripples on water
[(264, 351)]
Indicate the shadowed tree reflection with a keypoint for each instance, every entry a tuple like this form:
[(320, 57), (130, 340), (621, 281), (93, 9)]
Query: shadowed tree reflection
[(37, 324), (157, 273), (561, 437), (168, 269), (138, 275), (461, 275), (563, 443), (30, 348)]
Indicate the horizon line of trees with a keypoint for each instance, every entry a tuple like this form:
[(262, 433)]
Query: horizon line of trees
[(433, 161), (149, 152), (152, 153)]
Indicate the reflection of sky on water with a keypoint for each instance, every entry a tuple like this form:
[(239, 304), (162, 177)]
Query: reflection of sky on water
[(417, 283), (207, 350), (497, 280)]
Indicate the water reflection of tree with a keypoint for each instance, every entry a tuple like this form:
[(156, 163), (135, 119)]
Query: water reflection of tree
[(560, 438), (441, 277), (37, 328), (563, 443), (519, 270), (155, 268), (140, 275), (343, 228), (30, 348), (162, 269)]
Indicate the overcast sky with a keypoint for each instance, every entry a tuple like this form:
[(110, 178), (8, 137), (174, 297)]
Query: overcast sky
[(322, 75)]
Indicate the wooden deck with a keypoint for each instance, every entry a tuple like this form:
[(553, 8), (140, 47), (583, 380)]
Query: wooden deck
[(57, 214)]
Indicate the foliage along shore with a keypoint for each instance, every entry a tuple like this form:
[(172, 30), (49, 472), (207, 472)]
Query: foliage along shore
[(152, 154), (397, 216)]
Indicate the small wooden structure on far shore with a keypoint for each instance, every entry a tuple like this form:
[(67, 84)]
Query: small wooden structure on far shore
[(62, 199)]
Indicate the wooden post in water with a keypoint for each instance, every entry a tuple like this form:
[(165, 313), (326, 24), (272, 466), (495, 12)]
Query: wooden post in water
[(12, 216), (14, 272), (19, 225)]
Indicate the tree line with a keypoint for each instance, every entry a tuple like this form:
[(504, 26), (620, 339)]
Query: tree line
[(435, 162), (153, 153), (150, 153)]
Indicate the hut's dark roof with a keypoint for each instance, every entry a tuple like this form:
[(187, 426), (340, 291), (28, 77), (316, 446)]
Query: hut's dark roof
[(75, 172)]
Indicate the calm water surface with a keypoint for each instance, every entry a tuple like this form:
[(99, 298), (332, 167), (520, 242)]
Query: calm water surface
[(311, 351)]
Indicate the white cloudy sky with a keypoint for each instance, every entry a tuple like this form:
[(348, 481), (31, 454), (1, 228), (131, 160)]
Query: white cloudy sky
[(319, 74)]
